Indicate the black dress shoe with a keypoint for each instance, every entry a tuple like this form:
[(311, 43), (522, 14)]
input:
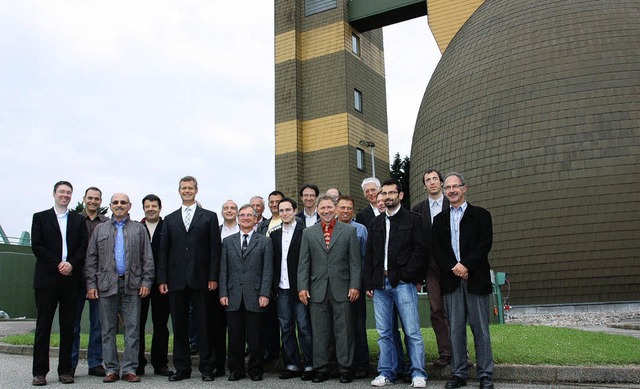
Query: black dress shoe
[(346, 378), (456, 382), (163, 371), (140, 371), (39, 380), (235, 376), (208, 377), (66, 378), (99, 371), (360, 372), (256, 377), (442, 361), (486, 383), (307, 375), (179, 376), (288, 374), (320, 377), (218, 372)]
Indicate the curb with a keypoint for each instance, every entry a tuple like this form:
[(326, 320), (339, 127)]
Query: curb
[(504, 373)]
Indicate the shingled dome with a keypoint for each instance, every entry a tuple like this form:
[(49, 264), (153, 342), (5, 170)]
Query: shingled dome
[(538, 105)]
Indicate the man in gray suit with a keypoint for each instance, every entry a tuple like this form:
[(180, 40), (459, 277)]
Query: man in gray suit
[(329, 272), (246, 273)]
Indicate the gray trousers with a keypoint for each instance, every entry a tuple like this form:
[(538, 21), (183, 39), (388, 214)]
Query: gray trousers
[(337, 313), (129, 307), (462, 306)]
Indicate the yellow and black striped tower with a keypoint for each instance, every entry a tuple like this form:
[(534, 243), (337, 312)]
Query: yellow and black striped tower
[(329, 96)]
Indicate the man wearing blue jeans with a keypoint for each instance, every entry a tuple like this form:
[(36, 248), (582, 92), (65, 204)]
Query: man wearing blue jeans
[(297, 351), (119, 270), (396, 261), (92, 217)]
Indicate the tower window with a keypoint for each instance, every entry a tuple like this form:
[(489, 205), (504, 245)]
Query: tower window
[(355, 44), (357, 100)]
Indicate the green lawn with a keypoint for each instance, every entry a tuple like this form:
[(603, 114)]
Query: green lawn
[(512, 344)]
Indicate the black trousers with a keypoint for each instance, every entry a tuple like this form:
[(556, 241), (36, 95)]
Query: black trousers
[(47, 300), (217, 330), (179, 307), (159, 317), (245, 326)]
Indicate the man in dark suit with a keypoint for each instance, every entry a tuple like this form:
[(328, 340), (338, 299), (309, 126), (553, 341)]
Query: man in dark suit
[(309, 213), (188, 267), (370, 188), (246, 272), (461, 238), (428, 209), (59, 243), (291, 312), (152, 206), (329, 272)]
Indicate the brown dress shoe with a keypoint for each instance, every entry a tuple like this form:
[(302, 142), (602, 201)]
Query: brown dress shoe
[(111, 377), (442, 361), (130, 377), (39, 380), (66, 378)]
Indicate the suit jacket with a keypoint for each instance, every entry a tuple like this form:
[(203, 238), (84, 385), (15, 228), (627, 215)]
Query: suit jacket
[(155, 239), (244, 277), (424, 210), (292, 258), (300, 215), (408, 251), (189, 259), (100, 269), (365, 216), (476, 238), (46, 243), (339, 266)]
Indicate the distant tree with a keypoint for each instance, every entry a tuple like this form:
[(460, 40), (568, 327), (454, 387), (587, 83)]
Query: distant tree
[(400, 169), (80, 207)]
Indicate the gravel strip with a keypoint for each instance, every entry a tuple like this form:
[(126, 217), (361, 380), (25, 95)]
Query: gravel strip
[(582, 319)]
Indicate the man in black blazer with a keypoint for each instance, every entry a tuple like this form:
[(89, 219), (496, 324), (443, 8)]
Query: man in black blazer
[(291, 312), (428, 209), (309, 213), (370, 188), (246, 271), (152, 206), (188, 267), (59, 243), (461, 238)]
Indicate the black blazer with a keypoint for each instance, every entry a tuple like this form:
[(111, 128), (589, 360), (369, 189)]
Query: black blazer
[(46, 243), (476, 238), (365, 216), (292, 256), (408, 250), (189, 259), (424, 210)]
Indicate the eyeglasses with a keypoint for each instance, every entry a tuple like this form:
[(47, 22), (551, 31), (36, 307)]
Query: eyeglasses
[(454, 187), (307, 196), (246, 215), (122, 202), (389, 193)]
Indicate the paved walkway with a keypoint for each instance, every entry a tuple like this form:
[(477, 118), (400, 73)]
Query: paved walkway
[(16, 362)]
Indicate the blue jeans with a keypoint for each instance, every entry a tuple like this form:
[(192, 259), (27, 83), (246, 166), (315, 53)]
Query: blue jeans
[(292, 312), (129, 307), (405, 298), (94, 350)]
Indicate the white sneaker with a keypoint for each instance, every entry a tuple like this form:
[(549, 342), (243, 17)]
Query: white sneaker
[(381, 381), (419, 382)]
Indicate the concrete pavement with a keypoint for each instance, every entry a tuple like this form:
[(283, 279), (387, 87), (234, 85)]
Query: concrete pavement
[(16, 370)]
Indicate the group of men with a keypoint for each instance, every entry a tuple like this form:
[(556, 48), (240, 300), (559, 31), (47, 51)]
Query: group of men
[(293, 284)]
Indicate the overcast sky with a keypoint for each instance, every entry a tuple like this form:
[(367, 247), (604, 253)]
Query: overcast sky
[(130, 96)]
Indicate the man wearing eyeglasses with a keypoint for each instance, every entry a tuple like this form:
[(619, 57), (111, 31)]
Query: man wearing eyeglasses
[(119, 271), (395, 264), (246, 271), (462, 236), (308, 195)]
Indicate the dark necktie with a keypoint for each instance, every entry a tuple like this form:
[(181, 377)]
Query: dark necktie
[(244, 242)]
